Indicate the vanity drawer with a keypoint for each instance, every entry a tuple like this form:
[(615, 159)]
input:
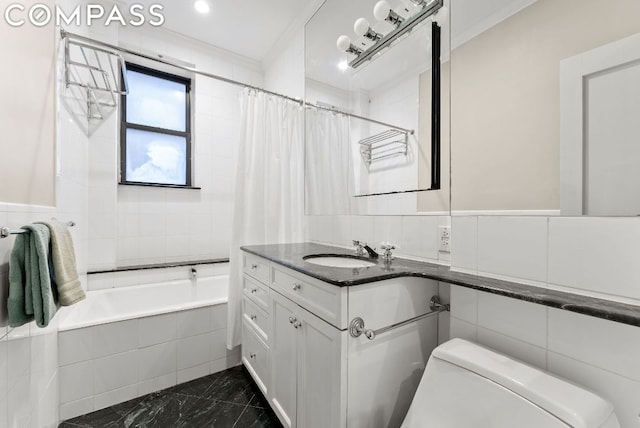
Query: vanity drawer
[(325, 300), (256, 267), (257, 292), (257, 319), (255, 356)]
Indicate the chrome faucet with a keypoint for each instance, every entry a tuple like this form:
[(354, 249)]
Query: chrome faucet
[(362, 247)]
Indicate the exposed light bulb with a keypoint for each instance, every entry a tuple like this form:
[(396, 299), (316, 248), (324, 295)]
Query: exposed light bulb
[(343, 43), (381, 10), (361, 26), (343, 65), (201, 6)]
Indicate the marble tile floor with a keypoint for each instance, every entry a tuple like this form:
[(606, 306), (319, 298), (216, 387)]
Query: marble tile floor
[(225, 399)]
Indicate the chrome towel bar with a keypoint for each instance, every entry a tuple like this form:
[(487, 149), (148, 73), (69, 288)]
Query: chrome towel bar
[(356, 327), (6, 231)]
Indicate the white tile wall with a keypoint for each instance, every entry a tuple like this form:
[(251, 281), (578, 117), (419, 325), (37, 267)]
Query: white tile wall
[(194, 322), (139, 225), (513, 247), (514, 318), (420, 236), (156, 329), (194, 351), (415, 236), (76, 381), (110, 398), (122, 360), (601, 355), (156, 361), (114, 338), (115, 371), (29, 355), (609, 345), (464, 243), (595, 256)]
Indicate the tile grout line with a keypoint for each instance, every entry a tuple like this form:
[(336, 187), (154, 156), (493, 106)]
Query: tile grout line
[(240, 416)]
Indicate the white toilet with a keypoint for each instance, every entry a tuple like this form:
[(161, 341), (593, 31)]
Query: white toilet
[(468, 386)]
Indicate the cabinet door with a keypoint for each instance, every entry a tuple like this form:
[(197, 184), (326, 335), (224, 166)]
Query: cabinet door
[(283, 348), (322, 373)]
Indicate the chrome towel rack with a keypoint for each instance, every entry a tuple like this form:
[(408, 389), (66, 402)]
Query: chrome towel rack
[(101, 72), (392, 142), (5, 232), (356, 327)]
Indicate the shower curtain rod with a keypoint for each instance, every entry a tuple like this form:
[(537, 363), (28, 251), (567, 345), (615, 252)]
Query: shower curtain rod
[(335, 110), (66, 34)]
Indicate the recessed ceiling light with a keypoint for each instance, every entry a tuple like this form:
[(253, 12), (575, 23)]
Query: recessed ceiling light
[(342, 65), (201, 6)]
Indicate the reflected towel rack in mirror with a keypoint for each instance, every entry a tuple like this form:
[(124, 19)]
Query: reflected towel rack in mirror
[(384, 145), (6, 231)]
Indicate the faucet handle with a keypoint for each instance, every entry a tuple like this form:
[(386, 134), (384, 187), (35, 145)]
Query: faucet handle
[(360, 251), (387, 247)]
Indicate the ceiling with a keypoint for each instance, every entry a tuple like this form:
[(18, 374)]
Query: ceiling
[(248, 27)]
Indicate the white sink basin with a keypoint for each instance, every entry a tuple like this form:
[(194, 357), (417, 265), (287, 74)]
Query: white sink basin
[(339, 261)]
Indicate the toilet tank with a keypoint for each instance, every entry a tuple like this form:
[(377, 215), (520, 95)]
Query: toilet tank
[(466, 385)]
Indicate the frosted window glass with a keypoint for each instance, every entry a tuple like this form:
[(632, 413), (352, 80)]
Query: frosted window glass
[(156, 102), (156, 158)]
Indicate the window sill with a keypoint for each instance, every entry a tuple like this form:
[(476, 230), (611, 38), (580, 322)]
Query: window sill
[(170, 186)]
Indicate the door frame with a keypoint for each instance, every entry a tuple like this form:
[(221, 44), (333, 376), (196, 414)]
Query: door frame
[(574, 73)]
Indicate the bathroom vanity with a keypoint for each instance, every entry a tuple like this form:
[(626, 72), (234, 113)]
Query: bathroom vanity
[(316, 365)]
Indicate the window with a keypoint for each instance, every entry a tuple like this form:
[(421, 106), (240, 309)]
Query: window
[(156, 129)]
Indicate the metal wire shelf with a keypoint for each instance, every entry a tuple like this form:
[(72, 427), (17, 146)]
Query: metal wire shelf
[(384, 145), (100, 73)]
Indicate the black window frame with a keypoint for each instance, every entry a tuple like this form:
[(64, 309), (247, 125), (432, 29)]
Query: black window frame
[(124, 125)]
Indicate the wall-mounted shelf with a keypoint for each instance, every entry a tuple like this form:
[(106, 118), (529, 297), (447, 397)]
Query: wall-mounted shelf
[(392, 142), (99, 73)]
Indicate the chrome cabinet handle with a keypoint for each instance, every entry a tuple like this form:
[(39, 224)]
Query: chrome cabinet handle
[(254, 290), (254, 266), (296, 287), (292, 320), (252, 355), (297, 324), (253, 317)]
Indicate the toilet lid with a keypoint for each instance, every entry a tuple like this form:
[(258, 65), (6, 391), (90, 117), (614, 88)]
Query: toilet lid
[(570, 403)]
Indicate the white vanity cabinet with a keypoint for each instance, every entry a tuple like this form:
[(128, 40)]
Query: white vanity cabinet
[(256, 319), (318, 374), (307, 367)]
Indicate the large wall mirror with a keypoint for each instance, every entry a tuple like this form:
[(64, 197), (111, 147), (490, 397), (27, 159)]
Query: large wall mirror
[(370, 127), (545, 101)]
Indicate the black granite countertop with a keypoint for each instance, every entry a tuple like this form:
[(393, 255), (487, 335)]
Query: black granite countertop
[(291, 256)]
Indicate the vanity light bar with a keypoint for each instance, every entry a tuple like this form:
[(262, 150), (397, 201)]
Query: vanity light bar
[(404, 27)]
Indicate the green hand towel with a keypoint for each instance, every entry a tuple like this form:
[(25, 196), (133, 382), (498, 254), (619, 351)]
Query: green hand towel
[(36, 300), (69, 290), (16, 303), (44, 302)]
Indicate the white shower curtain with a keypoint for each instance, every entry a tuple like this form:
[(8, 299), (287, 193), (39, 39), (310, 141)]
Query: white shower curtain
[(329, 169), (269, 195)]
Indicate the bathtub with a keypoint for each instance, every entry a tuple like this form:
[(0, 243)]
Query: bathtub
[(118, 304), (122, 343)]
